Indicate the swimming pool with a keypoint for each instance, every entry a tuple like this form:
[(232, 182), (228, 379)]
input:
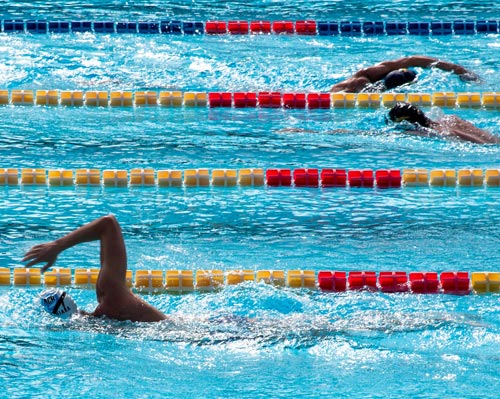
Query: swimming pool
[(254, 339)]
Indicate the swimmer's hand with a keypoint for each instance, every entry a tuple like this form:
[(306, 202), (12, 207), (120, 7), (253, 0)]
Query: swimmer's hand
[(41, 253), (469, 77)]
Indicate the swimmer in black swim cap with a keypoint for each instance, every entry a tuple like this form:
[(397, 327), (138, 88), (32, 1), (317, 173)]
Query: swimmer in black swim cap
[(419, 124), (393, 79), (399, 78), (449, 126), (388, 75)]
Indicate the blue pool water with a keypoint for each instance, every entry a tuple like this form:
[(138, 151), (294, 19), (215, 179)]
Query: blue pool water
[(252, 340)]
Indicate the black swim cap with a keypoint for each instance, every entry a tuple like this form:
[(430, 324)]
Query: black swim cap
[(398, 78), (410, 113)]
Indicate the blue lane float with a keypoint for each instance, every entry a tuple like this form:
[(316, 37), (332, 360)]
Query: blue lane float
[(299, 27)]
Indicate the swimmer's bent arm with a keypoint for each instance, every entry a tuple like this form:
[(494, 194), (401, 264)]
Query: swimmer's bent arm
[(429, 62), (105, 229), (379, 71)]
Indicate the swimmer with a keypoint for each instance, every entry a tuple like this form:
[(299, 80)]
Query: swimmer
[(115, 299), (449, 126), (414, 121), (395, 73)]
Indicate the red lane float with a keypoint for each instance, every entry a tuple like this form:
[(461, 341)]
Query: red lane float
[(393, 281), (269, 99), (294, 100), (245, 100), (362, 281), (278, 177), (332, 281), (238, 27), (319, 100), (260, 26), (360, 178), (306, 177), (424, 282), (456, 283), (388, 178), (219, 99), (333, 178), (283, 27), (215, 27), (305, 27)]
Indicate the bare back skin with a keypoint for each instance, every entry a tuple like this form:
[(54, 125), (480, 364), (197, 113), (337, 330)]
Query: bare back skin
[(455, 127), (115, 299), (361, 79)]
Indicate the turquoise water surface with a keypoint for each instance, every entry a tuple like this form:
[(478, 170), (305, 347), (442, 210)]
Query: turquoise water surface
[(252, 340)]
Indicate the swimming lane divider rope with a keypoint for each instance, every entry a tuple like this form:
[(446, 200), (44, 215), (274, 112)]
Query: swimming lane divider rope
[(178, 281), (254, 177), (263, 99), (243, 27)]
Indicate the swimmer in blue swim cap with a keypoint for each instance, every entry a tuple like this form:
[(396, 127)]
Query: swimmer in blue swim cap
[(57, 303), (388, 75), (449, 126), (115, 298)]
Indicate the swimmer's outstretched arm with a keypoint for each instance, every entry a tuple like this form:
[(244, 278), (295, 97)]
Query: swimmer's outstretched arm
[(373, 74), (380, 70), (430, 62)]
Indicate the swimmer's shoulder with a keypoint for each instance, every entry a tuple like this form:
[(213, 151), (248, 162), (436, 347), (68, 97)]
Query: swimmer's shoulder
[(452, 124), (352, 85)]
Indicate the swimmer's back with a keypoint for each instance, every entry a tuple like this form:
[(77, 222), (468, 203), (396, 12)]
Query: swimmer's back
[(453, 126), (127, 307)]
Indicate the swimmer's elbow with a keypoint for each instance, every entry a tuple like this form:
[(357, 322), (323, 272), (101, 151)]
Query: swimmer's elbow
[(110, 219), (109, 222)]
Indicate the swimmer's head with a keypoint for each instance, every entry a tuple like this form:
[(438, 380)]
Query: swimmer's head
[(399, 78), (392, 79), (410, 113), (57, 303)]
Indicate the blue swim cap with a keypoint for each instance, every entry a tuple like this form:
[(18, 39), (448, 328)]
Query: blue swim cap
[(398, 78), (57, 303)]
